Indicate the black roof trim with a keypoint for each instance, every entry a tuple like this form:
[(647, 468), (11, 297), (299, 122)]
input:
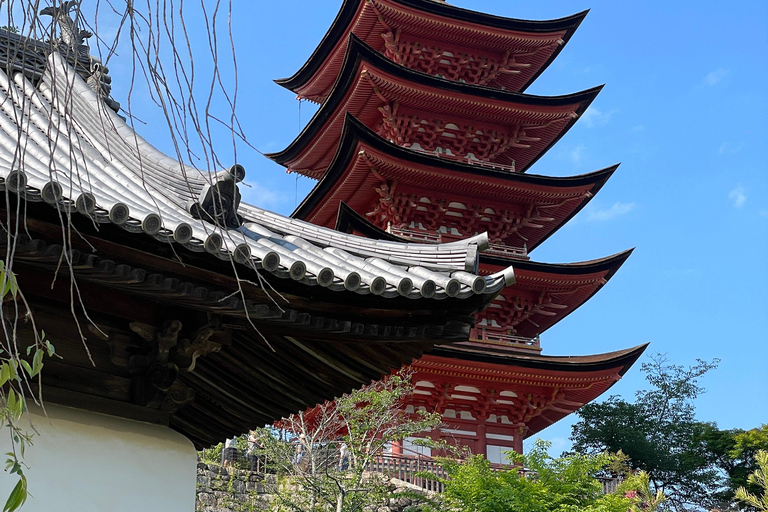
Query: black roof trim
[(358, 50), (348, 9), (348, 221), (610, 263), (577, 364), (355, 132)]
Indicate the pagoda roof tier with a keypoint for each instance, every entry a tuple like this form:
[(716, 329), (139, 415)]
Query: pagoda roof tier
[(246, 315), (372, 176), (516, 51), (531, 390), (544, 293), (510, 129)]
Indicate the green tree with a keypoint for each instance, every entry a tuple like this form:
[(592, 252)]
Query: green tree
[(658, 432), (307, 448), (734, 453), (760, 480), (562, 484)]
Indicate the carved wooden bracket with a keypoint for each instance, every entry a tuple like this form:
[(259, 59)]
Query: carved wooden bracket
[(159, 356)]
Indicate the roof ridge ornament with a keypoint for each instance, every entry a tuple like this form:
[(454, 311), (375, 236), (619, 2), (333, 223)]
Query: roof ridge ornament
[(71, 35), (219, 200), (72, 43)]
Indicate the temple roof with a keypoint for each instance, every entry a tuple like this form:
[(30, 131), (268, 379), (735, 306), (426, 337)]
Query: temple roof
[(536, 43), (370, 86), (262, 318), (565, 383), (131, 184), (349, 180)]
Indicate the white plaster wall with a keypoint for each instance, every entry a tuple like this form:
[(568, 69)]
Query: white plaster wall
[(83, 462)]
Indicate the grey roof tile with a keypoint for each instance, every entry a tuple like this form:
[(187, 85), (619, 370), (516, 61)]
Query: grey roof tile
[(79, 155)]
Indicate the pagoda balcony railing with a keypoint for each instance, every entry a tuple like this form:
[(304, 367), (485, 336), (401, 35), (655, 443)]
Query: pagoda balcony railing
[(508, 250), (440, 153), (433, 237), (497, 338), (417, 235), (415, 470)]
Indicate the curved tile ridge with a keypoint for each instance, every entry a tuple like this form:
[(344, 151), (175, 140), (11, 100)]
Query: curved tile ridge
[(58, 144), (104, 129), (459, 255)]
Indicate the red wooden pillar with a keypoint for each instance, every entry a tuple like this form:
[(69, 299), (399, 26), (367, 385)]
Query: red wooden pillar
[(397, 448), (517, 440), (480, 446)]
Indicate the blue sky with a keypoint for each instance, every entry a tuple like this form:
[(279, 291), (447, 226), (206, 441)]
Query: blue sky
[(684, 110)]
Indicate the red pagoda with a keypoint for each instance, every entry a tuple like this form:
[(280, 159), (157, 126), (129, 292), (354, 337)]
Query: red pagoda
[(424, 134)]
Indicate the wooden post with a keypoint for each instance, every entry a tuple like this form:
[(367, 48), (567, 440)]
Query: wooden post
[(480, 446), (517, 440)]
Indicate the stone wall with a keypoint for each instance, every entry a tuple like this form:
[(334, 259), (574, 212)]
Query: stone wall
[(232, 490), (236, 490)]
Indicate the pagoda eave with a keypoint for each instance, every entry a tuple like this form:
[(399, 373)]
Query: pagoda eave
[(464, 28), (364, 162), (370, 86), (531, 390), (544, 293)]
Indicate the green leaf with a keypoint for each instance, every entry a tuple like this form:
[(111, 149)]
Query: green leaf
[(27, 367), (17, 497), (13, 365), (7, 285), (10, 402), (14, 285), (5, 373), (37, 362)]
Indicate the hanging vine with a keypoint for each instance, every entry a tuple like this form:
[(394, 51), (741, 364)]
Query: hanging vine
[(181, 56)]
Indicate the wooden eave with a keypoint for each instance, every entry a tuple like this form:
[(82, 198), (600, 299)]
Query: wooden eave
[(572, 283), (568, 284), (349, 180), (433, 20), (572, 380), (286, 357), (312, 151), (212, 279), (349, 221)]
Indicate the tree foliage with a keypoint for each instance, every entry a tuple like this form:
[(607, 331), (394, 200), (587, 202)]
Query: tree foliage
[(18, 371), (306, 449), (658, 432), (759, 479), (563, 484), (734, 452)]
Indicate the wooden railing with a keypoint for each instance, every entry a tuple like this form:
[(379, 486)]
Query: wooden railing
[(610, 485), (508, 250), (420, 471), (417, 235), (490, 336), (440, 153)]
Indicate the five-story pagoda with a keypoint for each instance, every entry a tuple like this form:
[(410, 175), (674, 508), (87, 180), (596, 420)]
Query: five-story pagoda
[(424, 134)]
